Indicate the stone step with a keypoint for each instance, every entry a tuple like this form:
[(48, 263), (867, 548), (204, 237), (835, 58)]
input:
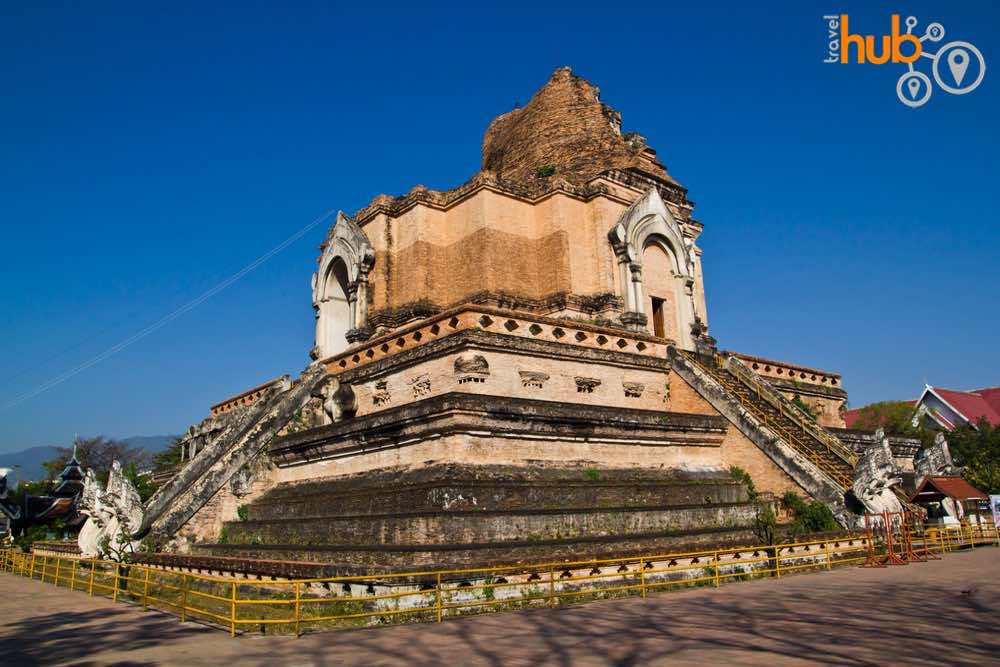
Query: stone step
[(326, 499), (360, 559), (488, 526)]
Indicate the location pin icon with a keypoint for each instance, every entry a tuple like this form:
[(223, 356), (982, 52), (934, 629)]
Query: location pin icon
[(958, 62), (914, 86)]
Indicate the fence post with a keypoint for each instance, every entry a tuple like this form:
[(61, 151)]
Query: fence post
[(55, 579), (114, 595), (642, 576), (31, 570), (45, 567), (298, 608), (72, 577), (715, 561), (972, 540), (437, 591), (552, 587), (829, 563), (184, 597), (232, 612), (777, 561), (93, 566), (145, 591)]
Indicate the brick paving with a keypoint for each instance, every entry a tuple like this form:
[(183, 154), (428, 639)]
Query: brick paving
[(941, 612)]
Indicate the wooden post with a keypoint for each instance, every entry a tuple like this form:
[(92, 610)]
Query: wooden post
[(114, 595), (145, 591), (298, 609), (45, 567), (438, 594), (972, 540), (31, 572), (642, 576), (777, 561), (552, 587), (715, 561), (55, 579), (93, 566), (232, 612), (72, 576), (829, 563)]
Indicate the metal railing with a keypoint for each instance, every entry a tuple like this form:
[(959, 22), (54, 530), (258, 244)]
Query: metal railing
[(244, 604), (294, 605), (791, 411)]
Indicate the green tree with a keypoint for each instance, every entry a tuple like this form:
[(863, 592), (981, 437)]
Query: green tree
[(978, 449), (97, 453), (892, 416), (810, 517), (169, 456)]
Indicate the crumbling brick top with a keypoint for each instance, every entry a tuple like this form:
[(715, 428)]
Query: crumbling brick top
[(562, 141), (565, 131)]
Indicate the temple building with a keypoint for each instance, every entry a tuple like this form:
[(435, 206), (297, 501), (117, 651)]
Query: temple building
[(519, 367), (58, 509)]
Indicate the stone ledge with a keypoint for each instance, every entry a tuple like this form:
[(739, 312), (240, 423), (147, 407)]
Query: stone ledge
[(497, 417), (496, 342), (515, 325)]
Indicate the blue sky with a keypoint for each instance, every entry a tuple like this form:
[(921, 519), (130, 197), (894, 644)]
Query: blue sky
[(150, 152)]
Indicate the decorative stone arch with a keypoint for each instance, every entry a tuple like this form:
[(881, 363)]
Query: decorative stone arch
[(648, 222), (340, 288)]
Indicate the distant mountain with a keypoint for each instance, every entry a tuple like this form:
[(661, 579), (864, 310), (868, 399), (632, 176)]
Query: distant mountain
[(151, 443), (31, 460)]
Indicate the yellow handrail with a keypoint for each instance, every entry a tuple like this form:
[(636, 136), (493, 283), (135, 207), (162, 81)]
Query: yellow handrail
[(791, 411), (437, 594)]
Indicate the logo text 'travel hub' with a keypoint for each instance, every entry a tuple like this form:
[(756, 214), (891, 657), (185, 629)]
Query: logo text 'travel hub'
[(966, 65)]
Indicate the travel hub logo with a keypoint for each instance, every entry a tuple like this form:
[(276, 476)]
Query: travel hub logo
[(957, 67)]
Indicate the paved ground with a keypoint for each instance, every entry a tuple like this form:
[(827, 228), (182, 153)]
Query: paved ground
[(938, 613)]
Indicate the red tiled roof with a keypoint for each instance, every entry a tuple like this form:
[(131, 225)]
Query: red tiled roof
[(992, 397), (972, 405), (953, 487)]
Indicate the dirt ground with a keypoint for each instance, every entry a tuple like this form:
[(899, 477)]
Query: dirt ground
[(937, 613)]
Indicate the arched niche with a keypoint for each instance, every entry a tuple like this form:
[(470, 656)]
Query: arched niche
[(656, 272), (340, 288), (334, 316)]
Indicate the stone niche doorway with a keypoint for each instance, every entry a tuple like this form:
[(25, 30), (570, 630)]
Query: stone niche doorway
[(334, 310), (661, 281)]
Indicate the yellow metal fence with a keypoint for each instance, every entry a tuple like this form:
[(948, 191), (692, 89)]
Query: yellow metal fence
[(251, 604)]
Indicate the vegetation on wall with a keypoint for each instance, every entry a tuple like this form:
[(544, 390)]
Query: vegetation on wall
[(765, 522), (810, 517), (805, 407)]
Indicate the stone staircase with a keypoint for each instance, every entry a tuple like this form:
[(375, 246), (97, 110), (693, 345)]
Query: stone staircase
[(236, 442), (783, 417), (814, 458)]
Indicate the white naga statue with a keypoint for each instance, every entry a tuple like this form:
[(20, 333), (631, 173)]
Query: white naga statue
[(875, 475), (114, 515)]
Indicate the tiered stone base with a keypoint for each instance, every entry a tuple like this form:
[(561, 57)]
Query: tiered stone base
[(462, 516)]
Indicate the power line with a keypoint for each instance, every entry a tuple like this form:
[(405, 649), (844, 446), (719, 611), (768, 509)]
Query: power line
[(166, 319)]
